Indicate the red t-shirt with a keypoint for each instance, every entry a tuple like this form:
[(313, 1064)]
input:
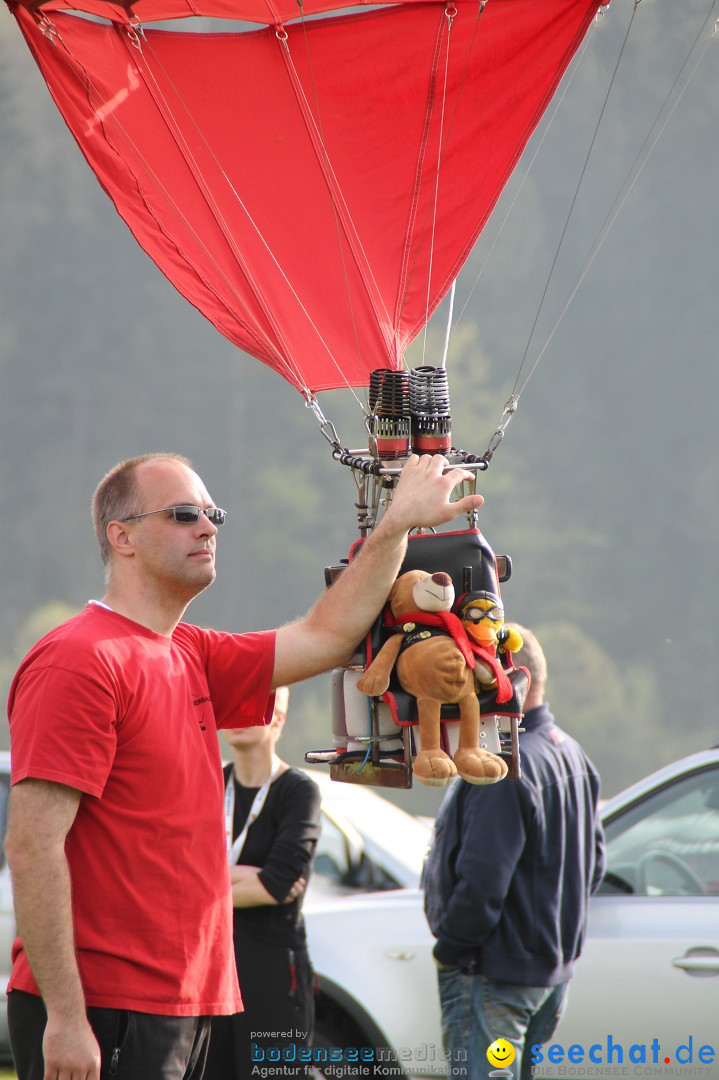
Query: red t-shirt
[(129, 717)]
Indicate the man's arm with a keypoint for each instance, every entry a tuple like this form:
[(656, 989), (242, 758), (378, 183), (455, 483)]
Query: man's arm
[(328, 635), (40, 817)]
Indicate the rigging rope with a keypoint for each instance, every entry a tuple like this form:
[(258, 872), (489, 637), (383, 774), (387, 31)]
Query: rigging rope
[(621, 199), (545, 133), (407, 276), (574, 199), (450, 13), (448, 334), (135, 38), (340, 208), (626, 188), (289, 362), (350, 305), (49, 30)]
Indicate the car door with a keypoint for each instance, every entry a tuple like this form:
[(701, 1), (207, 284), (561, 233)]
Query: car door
[(650, 967)]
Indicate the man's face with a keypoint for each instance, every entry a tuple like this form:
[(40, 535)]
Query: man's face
[(248, 738), (178, 557)]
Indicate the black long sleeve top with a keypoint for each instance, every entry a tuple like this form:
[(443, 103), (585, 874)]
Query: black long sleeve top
[(282, 840)]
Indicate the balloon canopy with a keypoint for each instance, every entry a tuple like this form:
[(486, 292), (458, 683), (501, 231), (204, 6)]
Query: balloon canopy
[(314, 185)]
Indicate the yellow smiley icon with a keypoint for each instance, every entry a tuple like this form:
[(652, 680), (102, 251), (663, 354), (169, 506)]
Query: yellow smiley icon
[(500, 1053)]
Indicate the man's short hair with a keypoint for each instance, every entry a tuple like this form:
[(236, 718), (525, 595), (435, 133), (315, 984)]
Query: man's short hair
[(531, 655), (117, 495)]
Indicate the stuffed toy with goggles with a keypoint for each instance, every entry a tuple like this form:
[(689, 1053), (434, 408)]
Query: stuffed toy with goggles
[(482, 617), (436, 658)]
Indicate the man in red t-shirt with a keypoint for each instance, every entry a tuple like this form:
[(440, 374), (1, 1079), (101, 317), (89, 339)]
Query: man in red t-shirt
[(117, 849)]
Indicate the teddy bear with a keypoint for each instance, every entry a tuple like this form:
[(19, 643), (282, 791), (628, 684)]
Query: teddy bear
[(435, 663)]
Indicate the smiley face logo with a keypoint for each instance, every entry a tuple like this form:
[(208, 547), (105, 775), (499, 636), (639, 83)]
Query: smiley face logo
[(500, 1053)]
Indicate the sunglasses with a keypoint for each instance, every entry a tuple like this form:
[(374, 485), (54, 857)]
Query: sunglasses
[(186, 515)]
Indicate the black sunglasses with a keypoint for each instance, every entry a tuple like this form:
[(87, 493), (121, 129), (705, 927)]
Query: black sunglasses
[(186, 515)]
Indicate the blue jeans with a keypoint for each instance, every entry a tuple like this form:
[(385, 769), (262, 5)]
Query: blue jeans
[(476, 1011)]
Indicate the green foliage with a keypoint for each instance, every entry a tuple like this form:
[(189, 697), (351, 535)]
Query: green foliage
[(605, 703), (41, 621), (38, 622)]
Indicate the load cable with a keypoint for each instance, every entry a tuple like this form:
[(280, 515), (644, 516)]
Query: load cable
[(625, 190)]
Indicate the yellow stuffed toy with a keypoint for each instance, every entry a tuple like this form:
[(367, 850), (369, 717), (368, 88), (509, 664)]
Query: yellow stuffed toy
[(435, 663), (482, 616)]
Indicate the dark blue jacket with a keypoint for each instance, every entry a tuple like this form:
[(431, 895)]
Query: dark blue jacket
[(513, 864)]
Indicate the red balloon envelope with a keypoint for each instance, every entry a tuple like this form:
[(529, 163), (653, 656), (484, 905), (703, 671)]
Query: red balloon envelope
[(314, 185)]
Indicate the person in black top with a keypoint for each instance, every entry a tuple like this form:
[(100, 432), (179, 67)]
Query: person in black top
[(272, 814)]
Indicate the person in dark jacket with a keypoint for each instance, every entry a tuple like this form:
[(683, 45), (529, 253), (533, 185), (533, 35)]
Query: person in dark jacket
[(507, 883)]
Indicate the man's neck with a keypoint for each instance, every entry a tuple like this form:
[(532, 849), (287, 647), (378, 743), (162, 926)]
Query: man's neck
[(533, 701), (159, 616)]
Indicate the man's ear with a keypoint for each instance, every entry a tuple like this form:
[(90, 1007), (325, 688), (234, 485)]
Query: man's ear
[(120, 539)]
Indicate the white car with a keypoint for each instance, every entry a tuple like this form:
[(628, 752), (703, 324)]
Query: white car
[(646, 991), (646, 988), (366, 844)]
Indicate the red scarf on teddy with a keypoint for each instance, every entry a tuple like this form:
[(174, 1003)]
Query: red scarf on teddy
[(469, 649)]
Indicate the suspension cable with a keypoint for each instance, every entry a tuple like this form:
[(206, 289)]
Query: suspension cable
[(408, 270), (575, 68), (340, 245), (576, 194), (628, 184), (625, 190), (289, 361), (448, 332), (104, 108), (450, 13)]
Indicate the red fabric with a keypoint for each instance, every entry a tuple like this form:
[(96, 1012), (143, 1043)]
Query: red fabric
[(468, 648), (128, 717), (309, 249), (269, 12)]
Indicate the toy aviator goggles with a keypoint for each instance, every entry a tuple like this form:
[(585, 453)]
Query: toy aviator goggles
[(474, 613)]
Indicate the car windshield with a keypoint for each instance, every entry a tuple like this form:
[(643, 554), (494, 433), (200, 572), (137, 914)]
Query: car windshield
[(668, 843), (391, 836)]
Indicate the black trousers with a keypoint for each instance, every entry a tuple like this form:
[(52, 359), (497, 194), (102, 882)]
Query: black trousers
[(278, 992), (133, 1045)]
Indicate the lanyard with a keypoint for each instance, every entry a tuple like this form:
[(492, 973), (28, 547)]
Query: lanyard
[(235, 850)]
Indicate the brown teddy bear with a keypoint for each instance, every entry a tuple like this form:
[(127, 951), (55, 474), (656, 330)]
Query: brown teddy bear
[(435, 664)]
